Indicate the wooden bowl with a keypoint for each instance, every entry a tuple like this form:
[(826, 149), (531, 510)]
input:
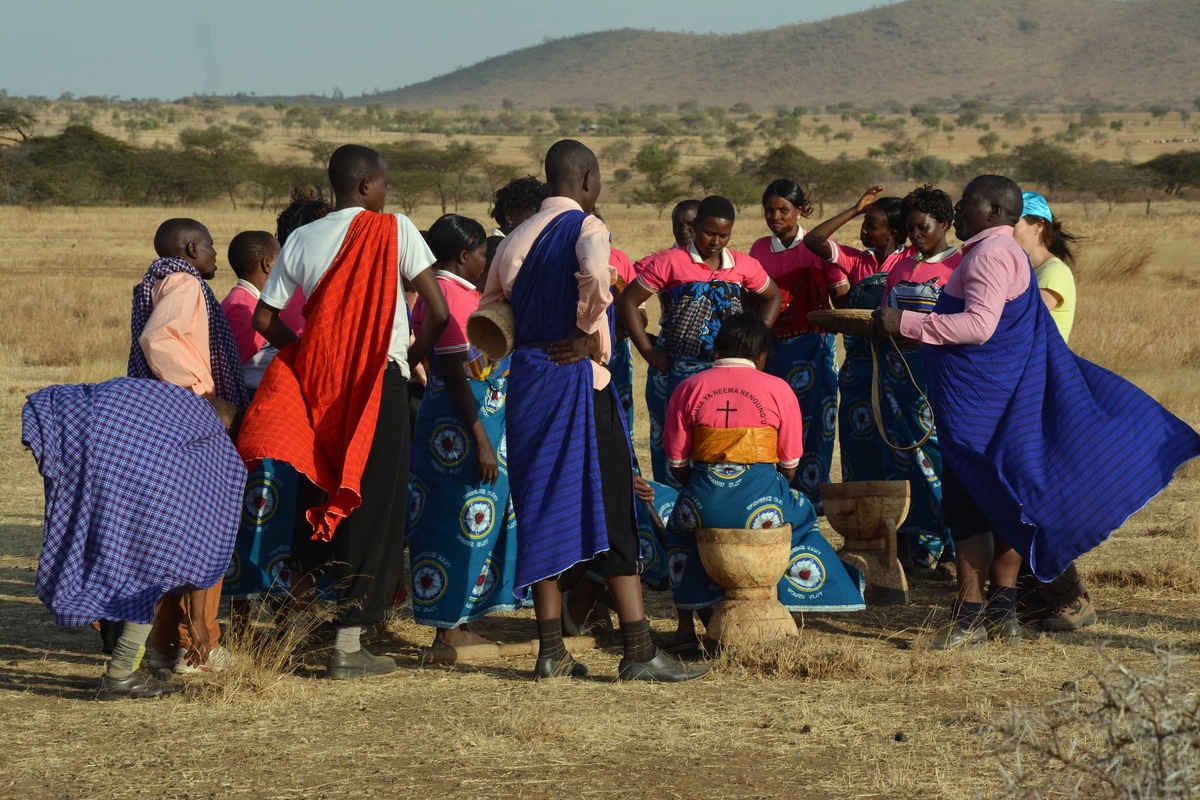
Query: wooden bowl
[(855, 509), (492, 329), (738, 558), (854, 321)]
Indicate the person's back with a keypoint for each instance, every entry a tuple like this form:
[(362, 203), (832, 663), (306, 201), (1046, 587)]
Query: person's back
[(336, 405)]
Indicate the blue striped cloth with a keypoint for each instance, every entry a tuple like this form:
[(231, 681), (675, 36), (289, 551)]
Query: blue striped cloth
[(553, 460), (224, 360), (1058, 452), (143, 493)]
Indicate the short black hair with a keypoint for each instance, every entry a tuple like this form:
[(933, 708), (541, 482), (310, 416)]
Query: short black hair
[(174, 234), (789, 190), (742, 335), (247, 249), (307, 205), (350, 165), (519, 194), (567, 161), (450, 234), (715, 206), (931, 201), (1003, 192), (682, 206), (897, 219)]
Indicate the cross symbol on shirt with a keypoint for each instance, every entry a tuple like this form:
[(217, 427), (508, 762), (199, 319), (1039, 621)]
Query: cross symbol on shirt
[(727, 411)]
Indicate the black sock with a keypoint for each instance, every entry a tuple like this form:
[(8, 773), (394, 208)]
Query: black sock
[(967, 615), (1001, 602), (550, 639), (636, 638)]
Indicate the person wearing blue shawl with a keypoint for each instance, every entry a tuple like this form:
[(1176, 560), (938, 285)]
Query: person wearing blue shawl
[(1038, 448), (569, 457)]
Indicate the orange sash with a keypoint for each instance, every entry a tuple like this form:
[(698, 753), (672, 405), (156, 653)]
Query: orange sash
[(318, 402), (735, 445)]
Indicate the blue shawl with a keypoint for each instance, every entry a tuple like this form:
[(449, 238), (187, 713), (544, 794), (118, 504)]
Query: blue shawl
[(552, 453), (1057, 451)]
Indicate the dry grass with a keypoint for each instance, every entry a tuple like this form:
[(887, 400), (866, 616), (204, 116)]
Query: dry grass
[(819, 716)]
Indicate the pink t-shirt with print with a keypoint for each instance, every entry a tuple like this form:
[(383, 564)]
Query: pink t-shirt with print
[(733, 394)]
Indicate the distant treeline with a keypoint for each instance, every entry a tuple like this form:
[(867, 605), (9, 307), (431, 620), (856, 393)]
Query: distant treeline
[(81, 166)]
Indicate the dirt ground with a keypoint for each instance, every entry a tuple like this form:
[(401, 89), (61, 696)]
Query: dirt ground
[(845, 712)]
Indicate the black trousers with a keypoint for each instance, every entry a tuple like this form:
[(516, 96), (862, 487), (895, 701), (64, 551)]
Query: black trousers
[(367, 549), (963, 515), (616, 484)]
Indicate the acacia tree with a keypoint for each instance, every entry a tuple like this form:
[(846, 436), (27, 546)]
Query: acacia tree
[(228, 153), (16, 125), (656, 164)]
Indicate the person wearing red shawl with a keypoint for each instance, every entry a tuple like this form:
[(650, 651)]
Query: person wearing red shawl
[(334, 404)]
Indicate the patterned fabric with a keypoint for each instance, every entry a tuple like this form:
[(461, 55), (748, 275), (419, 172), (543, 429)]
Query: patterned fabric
[(656, 411), (621, 367), (462, 533), (264, 538), (756, 496), (652, 545), (692, 316), (553, 456), (906, 418), (865, 456), (909, 296), (223, 350), (1057, 451), (808, 364), (134, 508), (318, 402)]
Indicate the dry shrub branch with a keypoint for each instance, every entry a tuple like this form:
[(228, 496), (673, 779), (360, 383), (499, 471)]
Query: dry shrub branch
[(1137, 738)]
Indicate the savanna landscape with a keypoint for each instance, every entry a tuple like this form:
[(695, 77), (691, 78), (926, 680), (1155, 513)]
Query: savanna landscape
[(850, 709)]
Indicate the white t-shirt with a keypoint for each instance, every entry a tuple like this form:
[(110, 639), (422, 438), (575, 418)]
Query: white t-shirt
[(310, 251)]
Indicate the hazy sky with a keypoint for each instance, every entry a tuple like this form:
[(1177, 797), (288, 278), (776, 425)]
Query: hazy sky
[(169, 49)]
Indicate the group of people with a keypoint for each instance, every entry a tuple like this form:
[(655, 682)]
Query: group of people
[(342, 367)]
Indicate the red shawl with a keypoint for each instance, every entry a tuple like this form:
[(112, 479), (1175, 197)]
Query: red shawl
[(318, 402)]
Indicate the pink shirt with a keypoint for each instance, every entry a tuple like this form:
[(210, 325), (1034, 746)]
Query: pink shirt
[(800, 275), (624, 268), (239, 307), (994, 269), (917, 270), (733, 394), (595, 276), (849, 265), (462, 298), (175, 339), (670, 268)]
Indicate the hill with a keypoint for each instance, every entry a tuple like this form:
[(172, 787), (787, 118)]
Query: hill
[(1027, 53)]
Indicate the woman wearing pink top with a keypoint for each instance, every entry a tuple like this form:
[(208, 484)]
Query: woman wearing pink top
[(698, 288), (803, 354), (857, 279), (734, 438), (914, 284)]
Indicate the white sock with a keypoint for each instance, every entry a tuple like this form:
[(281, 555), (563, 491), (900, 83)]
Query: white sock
[(346, 639)]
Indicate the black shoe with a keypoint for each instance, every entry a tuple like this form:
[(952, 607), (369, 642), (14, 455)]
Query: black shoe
[(661, 668), (137, 685), (952, 636), (1006, 630), (565, 667), (345, 666)]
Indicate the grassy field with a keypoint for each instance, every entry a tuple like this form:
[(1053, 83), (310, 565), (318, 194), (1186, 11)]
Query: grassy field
[(822, 718)]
